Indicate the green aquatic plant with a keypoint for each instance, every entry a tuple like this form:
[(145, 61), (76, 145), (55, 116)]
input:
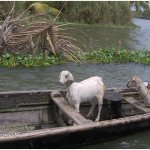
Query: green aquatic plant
[(95, 56), (109, 55), (13, 60)]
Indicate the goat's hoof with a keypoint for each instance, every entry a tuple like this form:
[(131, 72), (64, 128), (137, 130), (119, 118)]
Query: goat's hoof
[(88, 116), (96, 120)]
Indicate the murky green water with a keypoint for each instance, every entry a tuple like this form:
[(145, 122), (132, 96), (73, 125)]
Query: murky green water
[(95, 37), (114, 75)]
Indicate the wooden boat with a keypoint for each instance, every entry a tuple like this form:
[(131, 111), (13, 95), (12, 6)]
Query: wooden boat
[(40, 119)]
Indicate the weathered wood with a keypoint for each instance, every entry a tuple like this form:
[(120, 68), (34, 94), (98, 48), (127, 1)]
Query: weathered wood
[(80, 128), (113, 95), (68, 109), (15, 100), (130, 93), (24, 92), (134, 102), (85, 132), (39, 117), (58, 117)]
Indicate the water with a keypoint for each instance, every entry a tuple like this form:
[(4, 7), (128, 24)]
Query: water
[(140, 36), (95, 37), (114, 75), (138, 140)]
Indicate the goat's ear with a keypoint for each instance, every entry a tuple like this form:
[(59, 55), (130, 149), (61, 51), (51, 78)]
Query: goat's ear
[(69, 82)]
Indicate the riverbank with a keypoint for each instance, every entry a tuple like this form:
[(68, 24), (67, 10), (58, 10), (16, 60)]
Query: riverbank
[(95, 56), (75, 24)]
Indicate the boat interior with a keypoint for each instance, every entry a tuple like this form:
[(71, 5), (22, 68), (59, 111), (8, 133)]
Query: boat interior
[(25, 111)]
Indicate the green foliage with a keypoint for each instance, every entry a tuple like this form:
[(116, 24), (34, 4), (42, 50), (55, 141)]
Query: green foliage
[(13, 60), (90, 12), (5, 7), (100, 12), (95, 56), (139, 6), (112, 55), (41, 8), (36, 33), (145, 14)]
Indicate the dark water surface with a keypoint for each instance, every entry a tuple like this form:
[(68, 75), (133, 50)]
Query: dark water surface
[(139, 140)]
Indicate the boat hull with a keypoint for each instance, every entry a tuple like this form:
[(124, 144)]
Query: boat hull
[(39, 111), (75, 136)]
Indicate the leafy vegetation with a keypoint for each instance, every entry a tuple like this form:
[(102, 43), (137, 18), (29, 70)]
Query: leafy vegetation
[(114, 55), (13, 60), (30, 36), (36, 33), (89, 12), (95, 56), (104, 12)]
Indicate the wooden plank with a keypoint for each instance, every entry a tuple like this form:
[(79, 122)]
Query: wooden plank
[(17, 99), (134, 102), (58, 117), (24, 92), (27, 117), (94, 127), (130, 93), (112, 95), (68, 109)]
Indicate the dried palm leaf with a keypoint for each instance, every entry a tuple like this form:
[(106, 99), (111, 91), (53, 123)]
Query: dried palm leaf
[(27, 33)]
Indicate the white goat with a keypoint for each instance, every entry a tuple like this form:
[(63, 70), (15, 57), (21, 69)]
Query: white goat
[(83, 91), (143, 90)]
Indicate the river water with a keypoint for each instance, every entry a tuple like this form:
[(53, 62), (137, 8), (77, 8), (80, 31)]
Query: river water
[(96, 37), (114, 75)]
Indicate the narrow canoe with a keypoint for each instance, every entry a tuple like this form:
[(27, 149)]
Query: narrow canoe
[(40, 119)]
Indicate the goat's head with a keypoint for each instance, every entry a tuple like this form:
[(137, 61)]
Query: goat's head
[(135, 81), (66, 78)]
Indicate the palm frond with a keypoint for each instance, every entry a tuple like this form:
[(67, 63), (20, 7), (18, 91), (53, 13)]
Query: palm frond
[(27, 34)]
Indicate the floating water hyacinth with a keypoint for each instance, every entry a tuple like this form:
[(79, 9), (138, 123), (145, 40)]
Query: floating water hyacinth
[(95, 56)]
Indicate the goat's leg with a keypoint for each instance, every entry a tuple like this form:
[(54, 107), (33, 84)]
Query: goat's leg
[(100, 103), (77, 106), (94, 103)]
